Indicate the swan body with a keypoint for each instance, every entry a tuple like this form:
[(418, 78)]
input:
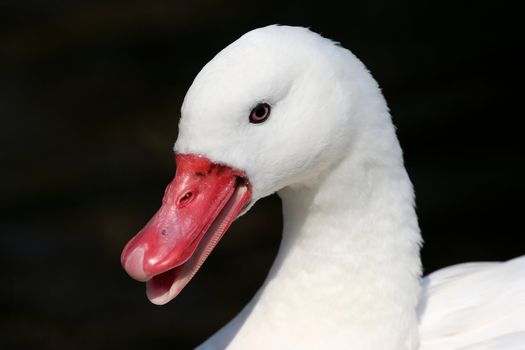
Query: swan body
[(348, 271), (474, 306)]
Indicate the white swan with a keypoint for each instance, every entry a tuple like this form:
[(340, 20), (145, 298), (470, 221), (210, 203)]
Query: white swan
[(284, 110)]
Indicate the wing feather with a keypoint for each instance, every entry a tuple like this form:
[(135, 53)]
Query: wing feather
[(474, 303)]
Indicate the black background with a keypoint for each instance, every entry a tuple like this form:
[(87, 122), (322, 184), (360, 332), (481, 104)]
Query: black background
[(90, 93)]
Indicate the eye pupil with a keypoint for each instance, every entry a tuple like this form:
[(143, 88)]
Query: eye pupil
[(260, 113)]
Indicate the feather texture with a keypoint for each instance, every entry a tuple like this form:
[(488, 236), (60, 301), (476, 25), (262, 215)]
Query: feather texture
[(348, 271), (474, 306)]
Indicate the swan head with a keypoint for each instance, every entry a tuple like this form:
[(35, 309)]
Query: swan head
[(307, 93), (299, 75)]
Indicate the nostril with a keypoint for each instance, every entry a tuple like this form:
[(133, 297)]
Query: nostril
[(185, 199)]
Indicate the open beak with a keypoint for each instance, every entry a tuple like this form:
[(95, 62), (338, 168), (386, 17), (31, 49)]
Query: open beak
[(198, 206)]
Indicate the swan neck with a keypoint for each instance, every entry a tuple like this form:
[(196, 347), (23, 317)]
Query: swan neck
[(353, 234)]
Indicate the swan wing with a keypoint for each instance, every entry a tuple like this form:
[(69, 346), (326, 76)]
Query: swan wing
[(474, 306)]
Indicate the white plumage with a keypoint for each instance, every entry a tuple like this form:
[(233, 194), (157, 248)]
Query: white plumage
[(347, 275), (474, 306)]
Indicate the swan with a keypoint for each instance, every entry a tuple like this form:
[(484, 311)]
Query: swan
[(284, 110)]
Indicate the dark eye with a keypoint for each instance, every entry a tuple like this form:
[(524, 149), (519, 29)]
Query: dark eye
[(260, 113)]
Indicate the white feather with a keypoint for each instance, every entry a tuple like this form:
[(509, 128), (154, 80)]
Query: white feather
[(476, 303), (347, 275)]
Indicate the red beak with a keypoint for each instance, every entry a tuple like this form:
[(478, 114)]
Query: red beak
[(198, 206)]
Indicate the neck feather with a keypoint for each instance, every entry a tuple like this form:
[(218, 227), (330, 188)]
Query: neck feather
[(348, 269)]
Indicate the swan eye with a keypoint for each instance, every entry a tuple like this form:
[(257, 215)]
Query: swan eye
[(260, 113)]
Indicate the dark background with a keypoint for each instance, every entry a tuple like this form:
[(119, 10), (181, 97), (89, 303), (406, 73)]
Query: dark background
[(90, 93)]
